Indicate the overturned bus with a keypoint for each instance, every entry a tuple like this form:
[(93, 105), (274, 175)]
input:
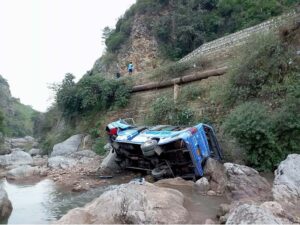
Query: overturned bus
[(164, 150)]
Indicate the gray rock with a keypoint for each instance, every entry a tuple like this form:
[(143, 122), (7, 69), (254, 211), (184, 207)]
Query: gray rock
[(5, 148), (215, 173), (84, 153), (15, 158), (246, 183), (224, 209), (279, 211), (5, 205), (84, 156), (87, 142), (61, 162), (132, 203), (210, 221), (203, 185), (178, 181), (22, 172), (40, 161), (109, 163), (23, 143), (67, 147), (108, 147), (34, 151), (211, 193), (286, 186), (251, 214), (223, 219)]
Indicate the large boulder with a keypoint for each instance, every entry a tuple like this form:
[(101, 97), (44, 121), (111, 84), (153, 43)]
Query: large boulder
[(25, 143), (214, 171), (134, 204), (22, 172), (286, 186), (87, 142), (67, 147), (203, 185), (40, 161), (251, 214), (5, 205), (84, 153), (109, 164), (61, 162), (246, 183), (15, 158)]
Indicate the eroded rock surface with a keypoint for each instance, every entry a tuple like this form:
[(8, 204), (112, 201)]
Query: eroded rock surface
[(5, 205), (67, 147), (24, 143), (132, 203), (109, 162), (22, 172), (15, 158), (251, 214), (61, 162), (246, 183), (286, 187), (215, 172)]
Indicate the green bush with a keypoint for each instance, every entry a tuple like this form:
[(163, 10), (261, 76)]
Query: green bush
[(178, 69), (165, 111), (1, 122), (264, 90), (252, 127), (91, 93), (190, 93), (188, 24), (261, 73), (98, 147), (115, 40)]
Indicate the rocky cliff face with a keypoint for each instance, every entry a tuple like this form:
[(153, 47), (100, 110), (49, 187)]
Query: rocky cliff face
[(141, 49), (17, 117), (5, 95)]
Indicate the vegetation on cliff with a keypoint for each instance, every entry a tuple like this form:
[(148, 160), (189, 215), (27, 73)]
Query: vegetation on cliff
[(180, 26), (78, 107), (17, 118), (258, 106), (263, 96)]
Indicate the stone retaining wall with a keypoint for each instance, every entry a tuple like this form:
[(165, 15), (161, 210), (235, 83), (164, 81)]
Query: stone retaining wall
[(227, 42)]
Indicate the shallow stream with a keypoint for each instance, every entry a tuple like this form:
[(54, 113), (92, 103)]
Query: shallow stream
[(44, 202)]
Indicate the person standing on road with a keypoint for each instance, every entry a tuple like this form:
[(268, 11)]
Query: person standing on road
[(130, 68)]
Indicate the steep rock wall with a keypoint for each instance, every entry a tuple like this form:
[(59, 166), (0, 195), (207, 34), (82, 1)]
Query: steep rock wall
[(141, 49)]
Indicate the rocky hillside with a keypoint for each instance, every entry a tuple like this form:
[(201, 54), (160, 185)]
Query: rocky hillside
[(152, 32), (17, 118)]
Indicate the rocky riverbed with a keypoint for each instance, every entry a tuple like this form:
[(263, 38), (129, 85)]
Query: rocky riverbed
[(228, 193)]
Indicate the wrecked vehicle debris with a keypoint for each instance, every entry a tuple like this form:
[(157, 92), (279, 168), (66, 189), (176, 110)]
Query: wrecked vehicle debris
[(163, 150)]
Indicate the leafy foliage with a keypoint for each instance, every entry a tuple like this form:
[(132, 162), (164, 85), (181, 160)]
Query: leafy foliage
[(250, 124), (190, 23), (260, 73), (267, 125), (89, 94), (165, 111), (1, 122)]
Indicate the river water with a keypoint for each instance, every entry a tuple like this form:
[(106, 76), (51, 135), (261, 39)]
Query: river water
[(44, 202)]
